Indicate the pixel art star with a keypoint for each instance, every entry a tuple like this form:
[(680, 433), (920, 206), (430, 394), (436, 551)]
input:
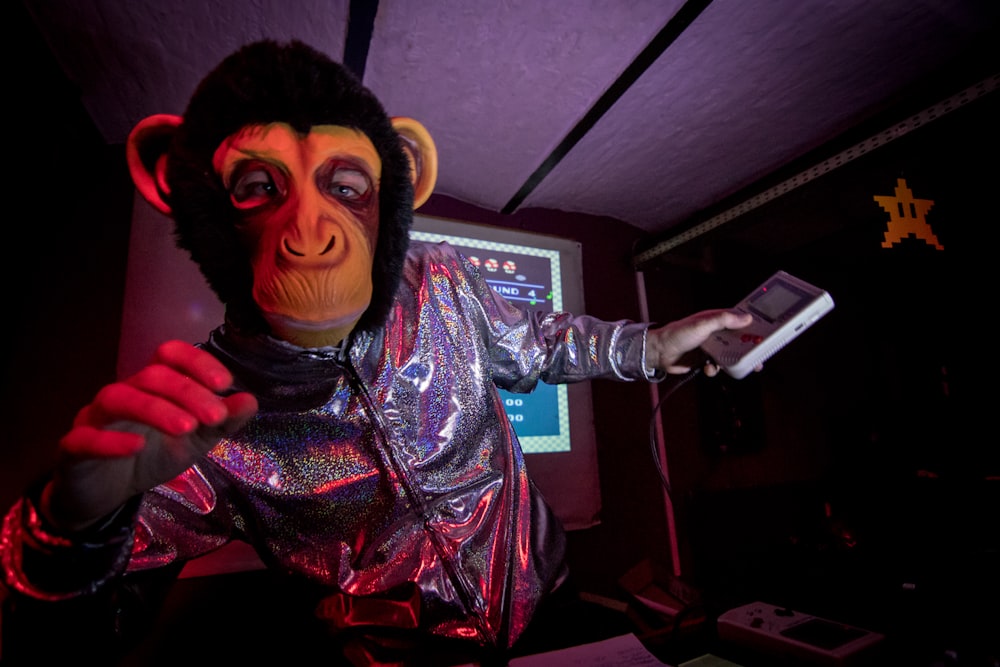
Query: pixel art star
[(907, 216)]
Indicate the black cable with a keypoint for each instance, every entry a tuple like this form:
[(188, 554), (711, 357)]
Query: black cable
[(690, 608), (687, 377)]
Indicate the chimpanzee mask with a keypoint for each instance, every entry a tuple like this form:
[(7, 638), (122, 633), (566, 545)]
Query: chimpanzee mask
[(291, 189)]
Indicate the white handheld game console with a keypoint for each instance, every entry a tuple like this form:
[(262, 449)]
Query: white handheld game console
[(794, 635), (782, 308)]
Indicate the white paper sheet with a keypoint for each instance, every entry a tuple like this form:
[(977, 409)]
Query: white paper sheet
[(623, 651)]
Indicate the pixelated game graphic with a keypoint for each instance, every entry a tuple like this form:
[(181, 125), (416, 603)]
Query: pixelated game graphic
[(907, 217)]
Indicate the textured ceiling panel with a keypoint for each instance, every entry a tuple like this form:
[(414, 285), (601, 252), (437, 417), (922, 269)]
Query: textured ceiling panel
[(139, 57), (747, 88), (499, 84), (649, 111)]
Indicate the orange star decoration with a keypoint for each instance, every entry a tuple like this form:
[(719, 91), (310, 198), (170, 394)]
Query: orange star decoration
[(907, 217)]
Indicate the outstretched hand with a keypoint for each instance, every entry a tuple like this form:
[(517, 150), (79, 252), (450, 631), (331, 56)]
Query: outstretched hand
[(143, 431), (667, 347)]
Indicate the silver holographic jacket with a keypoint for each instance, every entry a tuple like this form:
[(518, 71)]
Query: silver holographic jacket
[(386, 470)]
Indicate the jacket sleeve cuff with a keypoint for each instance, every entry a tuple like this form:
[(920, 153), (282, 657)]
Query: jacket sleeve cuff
[(42, 562), (629, 358), (652, 374)]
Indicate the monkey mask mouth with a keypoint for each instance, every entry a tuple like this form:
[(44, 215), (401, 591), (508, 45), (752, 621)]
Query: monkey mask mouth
[(314, 299), (308, 211)]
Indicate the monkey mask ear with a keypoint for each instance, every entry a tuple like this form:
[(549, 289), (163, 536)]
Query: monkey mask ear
[(146, 153), (147, 144), (422, 152)]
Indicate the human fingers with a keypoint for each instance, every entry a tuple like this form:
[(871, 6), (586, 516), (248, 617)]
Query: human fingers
[(158, 397), (688, 333), (731, 319), (707, 321), (195, 394), (240, 407), (88, 442), (194, 363)]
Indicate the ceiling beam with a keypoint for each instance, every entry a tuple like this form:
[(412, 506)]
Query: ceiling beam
[(360, 23), (684, 17)]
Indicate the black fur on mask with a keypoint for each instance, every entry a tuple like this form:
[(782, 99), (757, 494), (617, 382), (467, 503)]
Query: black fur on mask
[(267, 82)]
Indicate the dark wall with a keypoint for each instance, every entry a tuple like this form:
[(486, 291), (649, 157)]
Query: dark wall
[(859, 472), (68, 211)]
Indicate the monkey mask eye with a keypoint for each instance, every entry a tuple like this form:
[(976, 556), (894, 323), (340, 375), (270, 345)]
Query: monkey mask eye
[(255, 183), (344, 182)]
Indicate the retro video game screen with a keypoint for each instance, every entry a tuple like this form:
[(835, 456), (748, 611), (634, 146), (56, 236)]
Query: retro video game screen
[(528, 272)]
